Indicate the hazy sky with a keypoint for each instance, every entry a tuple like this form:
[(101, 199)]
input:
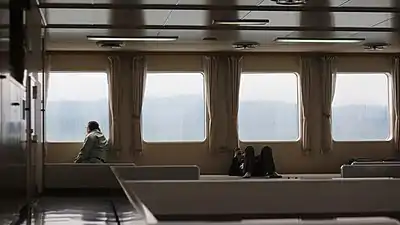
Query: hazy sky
[(367, 88), (350, 88)]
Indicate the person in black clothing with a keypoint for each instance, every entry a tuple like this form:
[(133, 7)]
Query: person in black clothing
[(248, 164)]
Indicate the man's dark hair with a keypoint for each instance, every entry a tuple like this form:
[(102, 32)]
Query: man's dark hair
[(93, 125)]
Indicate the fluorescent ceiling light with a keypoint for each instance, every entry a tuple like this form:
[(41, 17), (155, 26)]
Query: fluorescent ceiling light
[(241, 22), (321, 40), (4, 39), (155, 38)]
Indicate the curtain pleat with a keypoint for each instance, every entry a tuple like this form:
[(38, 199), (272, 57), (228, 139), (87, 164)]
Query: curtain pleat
[(212, 79), (328, 79), (232, 102), (115, 101), (139, 68), (396, 102), (306, 91)]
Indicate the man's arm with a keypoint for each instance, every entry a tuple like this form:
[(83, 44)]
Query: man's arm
[(85, 150)]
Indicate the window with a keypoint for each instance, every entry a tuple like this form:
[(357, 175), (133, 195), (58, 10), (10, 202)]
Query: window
[(73, 100), (268, 107), (174, 108), (360, 110)]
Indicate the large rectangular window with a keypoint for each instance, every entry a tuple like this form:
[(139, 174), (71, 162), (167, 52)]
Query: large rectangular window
[(174, 108), (74, 99), (361, 109), (268, 107)]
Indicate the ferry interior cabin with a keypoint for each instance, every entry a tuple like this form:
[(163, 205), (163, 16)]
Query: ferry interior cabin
[(200, 111)]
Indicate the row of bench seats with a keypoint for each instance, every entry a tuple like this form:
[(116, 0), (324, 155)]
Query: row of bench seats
[(101, 176)]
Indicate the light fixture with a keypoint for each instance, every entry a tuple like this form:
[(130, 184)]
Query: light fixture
[(375, 46), (241, 22), (290, 2), (145, 38), (320, 40), (245, 45), (4, 39)]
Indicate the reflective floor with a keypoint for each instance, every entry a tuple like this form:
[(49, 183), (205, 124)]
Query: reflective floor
[(72, 211), (91, 210), (9, 208)]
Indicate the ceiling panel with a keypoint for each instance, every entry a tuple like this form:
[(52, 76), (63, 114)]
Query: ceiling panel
[(196, 36), (105, 16), (345, 19), (319, 34), (370, 3), (185, 35), (376, 37), (277, 18), (194, 17), (81, 34), (387, 23)]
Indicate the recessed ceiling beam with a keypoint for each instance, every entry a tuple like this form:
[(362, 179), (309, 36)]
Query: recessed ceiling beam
[(219, 7)]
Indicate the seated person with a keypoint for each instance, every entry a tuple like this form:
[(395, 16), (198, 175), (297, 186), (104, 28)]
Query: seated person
[(248, 164), (95, 146)]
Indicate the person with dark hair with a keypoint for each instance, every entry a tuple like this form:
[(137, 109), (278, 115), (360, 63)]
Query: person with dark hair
[(252, 165), (95, 145)]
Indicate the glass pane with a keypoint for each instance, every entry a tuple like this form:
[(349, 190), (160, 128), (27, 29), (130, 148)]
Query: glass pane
[(73, 100), (360, 110), (174, 108), (269, 107)]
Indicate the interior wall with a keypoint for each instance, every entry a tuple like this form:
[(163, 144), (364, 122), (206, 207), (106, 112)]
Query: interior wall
[(288, 155)]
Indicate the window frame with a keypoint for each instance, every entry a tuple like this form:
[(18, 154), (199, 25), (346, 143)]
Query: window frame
[(390, 108), (47, 88), (299, 111), (206, 116)]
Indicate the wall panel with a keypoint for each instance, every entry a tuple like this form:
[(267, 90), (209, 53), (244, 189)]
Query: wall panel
[(181, 63), (12, 136), (368, 64), (288, 156), (271, 63), (78, 62)]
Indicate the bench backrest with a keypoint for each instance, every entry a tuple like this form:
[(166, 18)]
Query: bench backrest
[(370, 170)]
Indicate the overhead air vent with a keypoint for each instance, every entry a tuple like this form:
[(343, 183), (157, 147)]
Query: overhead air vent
[(110, 44), (290, 2), (375, 46), (244, 45)]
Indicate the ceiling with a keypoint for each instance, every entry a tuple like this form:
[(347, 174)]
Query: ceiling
[(69, 22)]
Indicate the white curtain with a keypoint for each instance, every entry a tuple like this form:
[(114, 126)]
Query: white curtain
[(396, 102), (328, 80), (139, 69), (306, 87), (115, 103), (232, 86), (215, 100)]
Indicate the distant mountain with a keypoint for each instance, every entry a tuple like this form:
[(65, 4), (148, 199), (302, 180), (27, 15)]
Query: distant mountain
[(183, 118)]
